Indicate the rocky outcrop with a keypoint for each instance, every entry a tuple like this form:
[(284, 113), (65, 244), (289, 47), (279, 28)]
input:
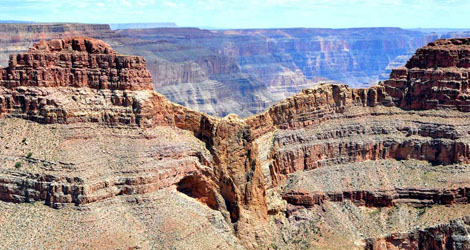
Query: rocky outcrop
[(77, 62), (46, 84), (329, 147), (19, 37), (454, 235), (316, 105), (384, 198), (80, 80), (262, 67), (58, 190), (435, 77)]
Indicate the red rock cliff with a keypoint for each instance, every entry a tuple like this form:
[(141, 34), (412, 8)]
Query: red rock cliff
[(437, 76), (83, 80), (76, 62)]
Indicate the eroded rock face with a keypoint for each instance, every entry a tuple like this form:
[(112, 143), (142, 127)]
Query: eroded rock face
[(84, 81), (66, 80), (454, 235), (76, 62), (260, 67), (326, 131), (330, 150), (435, 77)]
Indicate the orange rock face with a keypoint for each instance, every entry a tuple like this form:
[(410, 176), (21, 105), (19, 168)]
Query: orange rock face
[(81, 80), (444, 236), (322, 146), (76, 62), (437, 76)]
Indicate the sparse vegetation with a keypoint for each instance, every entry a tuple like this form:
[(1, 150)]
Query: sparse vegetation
[(18, 164), (376, 211), (421, 211), (30, 154)]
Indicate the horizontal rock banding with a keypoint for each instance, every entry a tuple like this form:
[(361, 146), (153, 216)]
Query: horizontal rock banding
[(384, 198), (380, 183), (60, 191), (116, 91), (82, 171), (437, 76), (327, 128), (76, 62), (453, 235)]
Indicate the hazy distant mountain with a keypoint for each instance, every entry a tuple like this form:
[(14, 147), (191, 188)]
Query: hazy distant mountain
[(14, 21), (440, 30), (121, 26)]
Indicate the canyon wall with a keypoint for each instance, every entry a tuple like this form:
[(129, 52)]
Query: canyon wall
[(82, 80), (329, 163), (453, 235), (401, 143), (261, 67), (353, 56), (19, 37), (242, 71)]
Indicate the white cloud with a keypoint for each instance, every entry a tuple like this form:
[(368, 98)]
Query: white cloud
[(174, 4), (126, 3)]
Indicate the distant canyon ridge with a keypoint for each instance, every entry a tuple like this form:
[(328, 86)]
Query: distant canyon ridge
[(242, 71)]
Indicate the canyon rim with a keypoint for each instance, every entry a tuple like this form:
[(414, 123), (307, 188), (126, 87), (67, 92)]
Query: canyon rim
[(247, 125), (87, 143)]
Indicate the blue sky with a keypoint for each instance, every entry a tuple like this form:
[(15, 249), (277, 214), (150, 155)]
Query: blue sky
[(247, 13)]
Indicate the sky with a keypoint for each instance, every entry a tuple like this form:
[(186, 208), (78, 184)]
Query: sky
[(247, 13)]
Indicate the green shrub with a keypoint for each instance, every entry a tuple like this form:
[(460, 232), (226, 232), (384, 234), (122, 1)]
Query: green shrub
[(18, 164)]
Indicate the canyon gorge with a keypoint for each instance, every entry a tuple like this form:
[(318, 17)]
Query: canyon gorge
[(242, 71), (93, 157)]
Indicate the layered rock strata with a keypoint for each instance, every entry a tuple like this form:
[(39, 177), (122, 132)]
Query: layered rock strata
[(19, 37), (435, 77), (260, 67), (110, 137), (389, 183), (82, 80), (196, 67), (329, 131), (453, 235)]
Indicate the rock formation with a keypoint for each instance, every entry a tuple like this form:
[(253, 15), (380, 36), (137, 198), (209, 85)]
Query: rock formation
[(19, 37), (264, 66), (93, 64), (446, 236), (240, 71), (82, 128), (435, 77), (78, 80)]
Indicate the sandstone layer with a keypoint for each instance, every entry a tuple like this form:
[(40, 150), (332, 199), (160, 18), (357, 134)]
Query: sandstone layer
[(332, 167), (241, 71), (19, 37), (453, 235), (260, 67), (82, 81)]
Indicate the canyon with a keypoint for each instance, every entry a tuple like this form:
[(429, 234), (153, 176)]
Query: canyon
[(93, 157), (242, 71)]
